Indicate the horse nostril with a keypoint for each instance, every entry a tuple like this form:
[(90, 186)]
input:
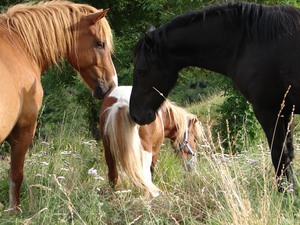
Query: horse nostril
[(98, 92)]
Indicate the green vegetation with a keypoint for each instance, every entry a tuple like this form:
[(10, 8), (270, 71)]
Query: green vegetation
[(234, 182)]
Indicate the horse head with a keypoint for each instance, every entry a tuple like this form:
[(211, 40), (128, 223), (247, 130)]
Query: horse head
[(153, 78), (187, 145), (91, 55)]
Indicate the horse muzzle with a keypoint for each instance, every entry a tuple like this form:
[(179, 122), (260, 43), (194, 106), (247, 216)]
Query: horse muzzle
[(100, 91), (144, 118)]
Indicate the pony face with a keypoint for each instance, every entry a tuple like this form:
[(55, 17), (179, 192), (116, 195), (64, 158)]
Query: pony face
[(152, 80), (92, 54), (187, 148)]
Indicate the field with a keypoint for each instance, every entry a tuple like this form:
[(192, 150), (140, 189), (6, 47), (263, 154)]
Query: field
[(66, 183)]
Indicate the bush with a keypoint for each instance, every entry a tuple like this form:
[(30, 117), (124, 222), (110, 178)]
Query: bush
[(237, 125), (66, 100)]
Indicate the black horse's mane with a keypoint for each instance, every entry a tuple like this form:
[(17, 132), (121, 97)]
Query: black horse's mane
[(261, 22), (265, 22)]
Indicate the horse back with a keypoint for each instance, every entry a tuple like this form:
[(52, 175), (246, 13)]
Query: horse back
[(118, 94)]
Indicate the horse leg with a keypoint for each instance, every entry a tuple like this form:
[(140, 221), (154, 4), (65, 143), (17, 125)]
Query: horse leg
[(280, 139), (111, 164), (20, 140), (154, 160), (147, 162), (155, 152), (284, 154)]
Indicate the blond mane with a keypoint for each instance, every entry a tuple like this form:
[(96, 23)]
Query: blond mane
[(48, 29), (181, 119), (178, 115)]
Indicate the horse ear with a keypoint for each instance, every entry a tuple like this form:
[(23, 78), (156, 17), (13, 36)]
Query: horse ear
[(150, 28), (149, 35), (149, 38), (94, 17)]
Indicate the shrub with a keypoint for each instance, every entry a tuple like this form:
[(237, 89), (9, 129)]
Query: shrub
[(237, 125)]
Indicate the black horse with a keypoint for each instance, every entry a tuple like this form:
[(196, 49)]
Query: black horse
[(257, 46)]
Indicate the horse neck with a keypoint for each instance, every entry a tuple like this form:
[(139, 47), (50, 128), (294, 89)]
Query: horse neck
[(17, 46), (43, 48), (210, 44)]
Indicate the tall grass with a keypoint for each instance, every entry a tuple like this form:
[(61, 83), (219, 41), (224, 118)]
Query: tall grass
[(223, 189)]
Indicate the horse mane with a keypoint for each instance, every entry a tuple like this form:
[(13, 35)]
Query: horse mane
[(257, 21), (263, 22), (48, 39), (181, 119)]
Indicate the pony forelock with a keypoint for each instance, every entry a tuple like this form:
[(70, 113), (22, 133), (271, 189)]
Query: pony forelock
[(182, 117), (178, 115)]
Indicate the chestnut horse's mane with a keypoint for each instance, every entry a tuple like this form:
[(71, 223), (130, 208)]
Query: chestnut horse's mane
[(48, 39)]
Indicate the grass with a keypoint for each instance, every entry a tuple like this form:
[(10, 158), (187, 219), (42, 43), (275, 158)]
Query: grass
[(223, 189), (207, 108)]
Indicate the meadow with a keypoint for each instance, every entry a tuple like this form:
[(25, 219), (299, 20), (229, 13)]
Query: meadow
[(66, 183)]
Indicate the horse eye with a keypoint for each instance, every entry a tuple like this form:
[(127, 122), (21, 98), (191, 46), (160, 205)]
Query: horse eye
[(100, 44)]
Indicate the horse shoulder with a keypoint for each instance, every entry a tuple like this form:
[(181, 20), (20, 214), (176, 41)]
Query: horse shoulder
[(151, 135)]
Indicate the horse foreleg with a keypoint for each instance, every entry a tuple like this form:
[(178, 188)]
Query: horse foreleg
[(283, 154), (20, 140), (156, 150), (111, 165), (146, 163), (280, 139), (154, 160)]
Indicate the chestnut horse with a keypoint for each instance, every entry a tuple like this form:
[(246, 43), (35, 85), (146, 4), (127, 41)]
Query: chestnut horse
[(137, 147), (32, 38)]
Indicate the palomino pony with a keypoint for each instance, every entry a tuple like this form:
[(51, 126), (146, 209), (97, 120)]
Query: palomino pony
[(32, 38), (255, 45), (137, 147)]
